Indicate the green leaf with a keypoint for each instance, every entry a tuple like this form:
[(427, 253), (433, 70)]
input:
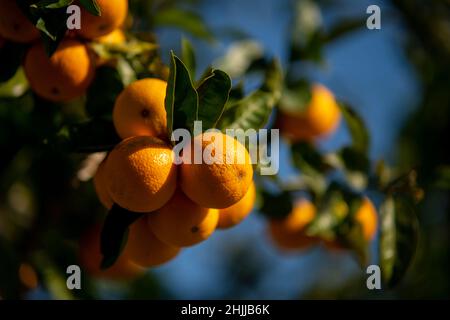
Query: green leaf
[(103, 91), (51, 4), (308, 159), (87, 137), (16, 86), (253, 111), (91, 6), (13, 53), (276, 206), (213, 94), (188, 57), (114, 234), (399, 238), (185, 20), (344, 27), (357, 128), (181, 98)]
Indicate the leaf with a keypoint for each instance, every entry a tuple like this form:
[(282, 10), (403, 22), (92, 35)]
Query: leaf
[(307, 158), (51, 4), (357, 128), (16, 86), (13, 53), (92, 136), (188, 56), (276, 206), (399, 238), (185, 20), (343, 28), (103, 91), (213, 94), (181, 98), (253, 111), (114, 234), (53, 26), (91, 6)]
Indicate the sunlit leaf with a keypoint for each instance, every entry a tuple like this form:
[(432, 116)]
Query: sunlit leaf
[(399, 237), (357, 128), (181, 98), (213, 95), (188, 57)]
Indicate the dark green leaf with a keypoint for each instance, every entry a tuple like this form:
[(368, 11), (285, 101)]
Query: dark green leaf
[(92, 136), (103, 91), (91, 6), (181, 98), (307, 158), (114, 234), (185, 20), (53, 26), (399, 237), (344, 27), (213, 94), (276, 206), (253, 111), (51, 4), (13, 53), (354, 160), (188, 57), (357, 128)]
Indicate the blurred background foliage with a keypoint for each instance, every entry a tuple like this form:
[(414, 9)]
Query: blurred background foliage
[(396, 78)]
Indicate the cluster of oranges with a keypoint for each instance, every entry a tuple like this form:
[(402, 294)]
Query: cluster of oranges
[(317, 119), (70, 70), (289, 234), (182, 204)]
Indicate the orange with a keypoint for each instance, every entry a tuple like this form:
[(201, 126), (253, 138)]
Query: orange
[(63, 77), (100, 186), (367, 217), (182, 222), (117, 36), (320, 118), (139, 109), (145, 249), (14, 25), (234, 215), (28, 276), (90, 258), (140, 174), (113, 15), (289, 233), (224, 174)]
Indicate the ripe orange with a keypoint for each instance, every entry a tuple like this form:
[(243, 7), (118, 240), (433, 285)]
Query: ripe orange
[(139, 109), (63, 77), (14, 25), (216, 185), (90, 258), (113, 15), (182, 222), (140, 174), (100, 186), (320, 118), (367, 217), (234, 215), (117, 36), (289, 233), (145, 249)]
